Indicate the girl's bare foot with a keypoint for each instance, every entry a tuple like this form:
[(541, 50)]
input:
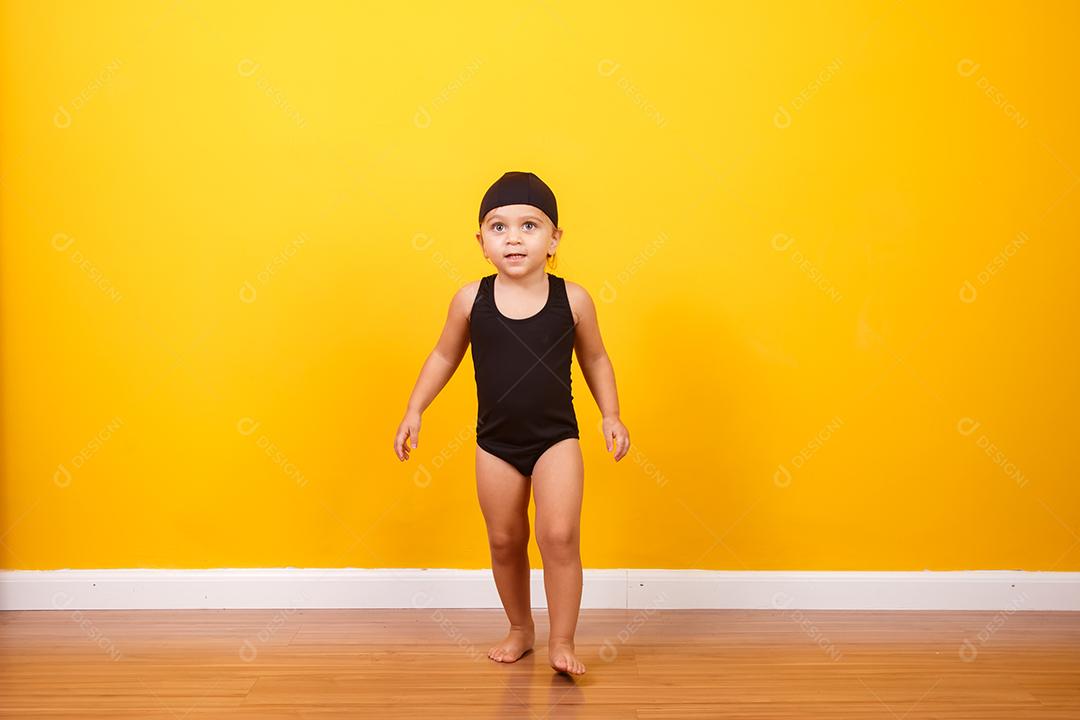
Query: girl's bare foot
[(518, 642), (563, 659)]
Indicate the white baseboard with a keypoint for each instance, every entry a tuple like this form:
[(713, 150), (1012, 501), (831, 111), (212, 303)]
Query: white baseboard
[(623, 589)]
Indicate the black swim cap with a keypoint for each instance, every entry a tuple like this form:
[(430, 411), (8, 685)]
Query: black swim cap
[(520, 188)]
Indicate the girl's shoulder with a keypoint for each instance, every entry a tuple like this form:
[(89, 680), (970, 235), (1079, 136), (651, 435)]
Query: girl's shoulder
[(579, 299), (465, 297), (573, 287), (574, 290)]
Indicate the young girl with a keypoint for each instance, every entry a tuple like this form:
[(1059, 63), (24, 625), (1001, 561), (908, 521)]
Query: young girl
[(524, 323)]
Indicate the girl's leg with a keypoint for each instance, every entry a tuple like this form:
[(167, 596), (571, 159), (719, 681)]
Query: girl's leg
[(558, 484), (504, 501)]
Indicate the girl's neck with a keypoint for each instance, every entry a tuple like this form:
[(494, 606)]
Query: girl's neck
[(534, 279)]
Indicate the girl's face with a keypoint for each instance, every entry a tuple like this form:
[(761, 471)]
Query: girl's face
[(518, 238)]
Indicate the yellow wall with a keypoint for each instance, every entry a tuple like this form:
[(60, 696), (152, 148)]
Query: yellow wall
[(825, 242)]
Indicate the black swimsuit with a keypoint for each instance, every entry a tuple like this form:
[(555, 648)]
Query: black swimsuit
[(524, 403)]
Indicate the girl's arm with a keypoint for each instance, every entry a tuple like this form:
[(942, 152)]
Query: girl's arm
[(598, 370), (438, 368)]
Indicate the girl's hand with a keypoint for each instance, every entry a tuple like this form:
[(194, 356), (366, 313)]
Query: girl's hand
[(408, 431), (616, 435)]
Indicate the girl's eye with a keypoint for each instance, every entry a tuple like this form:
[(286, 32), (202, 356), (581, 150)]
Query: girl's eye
[(497, 226), (530, 222)]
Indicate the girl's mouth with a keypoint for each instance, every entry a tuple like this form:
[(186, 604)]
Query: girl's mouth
[(515, 256)]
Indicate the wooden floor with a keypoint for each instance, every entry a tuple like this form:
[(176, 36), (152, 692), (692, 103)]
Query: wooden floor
[(192, 665)]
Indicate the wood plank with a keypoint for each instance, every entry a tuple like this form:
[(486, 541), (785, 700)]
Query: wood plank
[(302, 664)]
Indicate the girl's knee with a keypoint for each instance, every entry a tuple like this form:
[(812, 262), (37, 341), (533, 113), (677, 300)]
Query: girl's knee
[(558, 539), (509, 541)]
